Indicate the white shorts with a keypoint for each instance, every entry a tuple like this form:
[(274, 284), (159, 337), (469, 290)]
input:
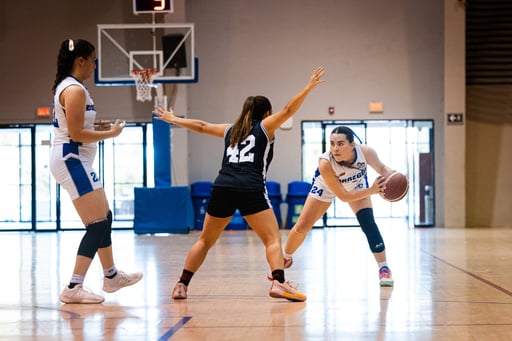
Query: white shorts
[(320, 190), (71, 166)]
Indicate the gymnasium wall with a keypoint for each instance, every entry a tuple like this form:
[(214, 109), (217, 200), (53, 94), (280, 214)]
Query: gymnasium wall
[(488, 180)]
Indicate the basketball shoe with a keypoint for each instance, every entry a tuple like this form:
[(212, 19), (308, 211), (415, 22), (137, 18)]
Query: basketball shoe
[(79, 295), (179, 292), (120, 280), (285, 290), (385, 277), (287, 264)]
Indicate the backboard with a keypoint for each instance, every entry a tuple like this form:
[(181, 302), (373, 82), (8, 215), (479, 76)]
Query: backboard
[(167, 48)]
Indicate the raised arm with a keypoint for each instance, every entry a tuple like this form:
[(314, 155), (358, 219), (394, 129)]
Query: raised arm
[(197, 126), (339, 190), (274, 121)]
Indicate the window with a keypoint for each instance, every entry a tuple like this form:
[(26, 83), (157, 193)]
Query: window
[(32, 200)]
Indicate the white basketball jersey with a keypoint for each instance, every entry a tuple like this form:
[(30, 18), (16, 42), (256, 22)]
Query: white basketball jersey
[(352, 176), (61, 133)]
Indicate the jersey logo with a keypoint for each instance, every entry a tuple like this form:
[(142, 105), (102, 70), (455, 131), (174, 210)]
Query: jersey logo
[(355, 177)]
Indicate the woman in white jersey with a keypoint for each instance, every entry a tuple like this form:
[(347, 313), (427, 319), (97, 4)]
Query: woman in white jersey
[(248, 150), (74, 149), (342, 173)]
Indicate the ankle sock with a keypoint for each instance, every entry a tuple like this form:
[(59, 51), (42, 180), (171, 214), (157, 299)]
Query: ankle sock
[(278, 275), (186, 276), (110, 272), (75, 280)]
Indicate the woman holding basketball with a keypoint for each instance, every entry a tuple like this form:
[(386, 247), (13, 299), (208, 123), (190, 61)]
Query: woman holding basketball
[(342, 173), (73, 152), (248, 151)]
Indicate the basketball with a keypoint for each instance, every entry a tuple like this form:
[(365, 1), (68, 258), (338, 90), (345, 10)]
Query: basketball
[(397, 186)]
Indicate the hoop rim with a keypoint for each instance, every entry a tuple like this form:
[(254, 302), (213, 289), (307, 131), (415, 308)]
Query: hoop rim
[(139, 71), (144, 74)]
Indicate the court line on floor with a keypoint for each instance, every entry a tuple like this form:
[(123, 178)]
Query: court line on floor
[(175, 328), (481, 279)]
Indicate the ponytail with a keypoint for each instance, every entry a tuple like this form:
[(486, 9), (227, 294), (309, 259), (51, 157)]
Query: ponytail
[(254, 109), (70, 50)]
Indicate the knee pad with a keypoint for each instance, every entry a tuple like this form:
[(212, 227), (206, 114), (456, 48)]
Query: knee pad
[(370, 229), (107, 240), (94, 235)]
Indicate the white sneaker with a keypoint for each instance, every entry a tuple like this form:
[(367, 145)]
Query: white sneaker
[(179, 292), (79, 295), (120, 280), (285, 290), (386, 280)]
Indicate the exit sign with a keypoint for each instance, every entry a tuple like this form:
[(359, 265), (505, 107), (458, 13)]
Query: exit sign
[(455, 119)]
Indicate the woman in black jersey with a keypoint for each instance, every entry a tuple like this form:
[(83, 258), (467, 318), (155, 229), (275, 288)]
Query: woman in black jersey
[(240, 183)]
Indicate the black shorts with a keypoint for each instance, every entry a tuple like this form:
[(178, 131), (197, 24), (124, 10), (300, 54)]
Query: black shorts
[(225, 201)]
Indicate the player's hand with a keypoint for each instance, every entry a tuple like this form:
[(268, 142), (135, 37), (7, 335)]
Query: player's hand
[(102, 125), (164, 115), (117, 127), (379, 185), (316, 77)]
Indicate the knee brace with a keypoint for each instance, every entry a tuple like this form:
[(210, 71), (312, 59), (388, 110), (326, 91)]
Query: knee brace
[(107, 240), (93, 238), (370, 229)]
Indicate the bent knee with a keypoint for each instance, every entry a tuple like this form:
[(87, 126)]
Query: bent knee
[(301, 229)]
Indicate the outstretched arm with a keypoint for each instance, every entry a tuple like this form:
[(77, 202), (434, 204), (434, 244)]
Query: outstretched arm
[(274, 121), (198, 126)]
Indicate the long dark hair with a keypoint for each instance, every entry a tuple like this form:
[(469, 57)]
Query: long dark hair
[(253, 110), (70, 50)]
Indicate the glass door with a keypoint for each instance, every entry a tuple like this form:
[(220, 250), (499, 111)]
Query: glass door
[(16, 173), (46, 191), (404, 145)]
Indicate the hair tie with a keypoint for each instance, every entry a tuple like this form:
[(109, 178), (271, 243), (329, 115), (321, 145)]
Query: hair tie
[(71, 45)]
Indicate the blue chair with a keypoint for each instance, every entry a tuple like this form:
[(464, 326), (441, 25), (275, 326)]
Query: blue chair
[(274, 194), (201, 192), (295, 198)]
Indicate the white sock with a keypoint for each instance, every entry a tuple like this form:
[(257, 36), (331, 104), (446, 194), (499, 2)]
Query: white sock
[(77, 279), (381, 264), (287, 256), (110, 272)]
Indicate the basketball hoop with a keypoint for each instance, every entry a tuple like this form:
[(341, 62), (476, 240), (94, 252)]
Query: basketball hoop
[(143, 83)]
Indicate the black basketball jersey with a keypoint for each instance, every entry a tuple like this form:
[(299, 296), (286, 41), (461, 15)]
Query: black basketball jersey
[(244, 166)]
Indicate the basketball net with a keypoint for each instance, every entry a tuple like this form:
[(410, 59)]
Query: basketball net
[(143, 83)]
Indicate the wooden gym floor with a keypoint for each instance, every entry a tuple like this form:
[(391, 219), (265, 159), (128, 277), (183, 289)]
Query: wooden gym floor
[(450, 284)]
